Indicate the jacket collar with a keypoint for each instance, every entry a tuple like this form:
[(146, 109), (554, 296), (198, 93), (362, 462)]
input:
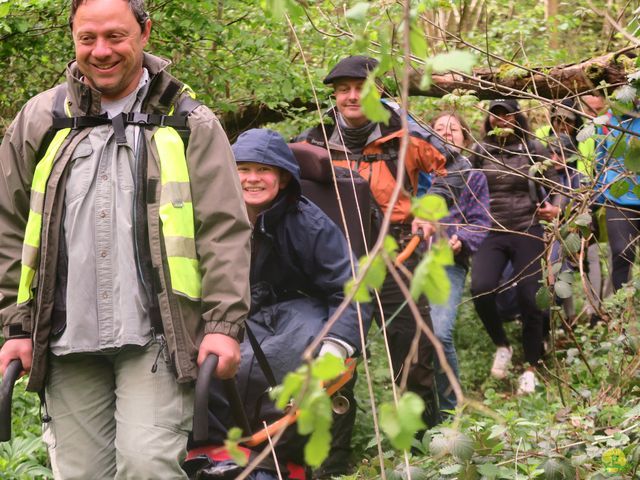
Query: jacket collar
[(268, 219), (163, 91)]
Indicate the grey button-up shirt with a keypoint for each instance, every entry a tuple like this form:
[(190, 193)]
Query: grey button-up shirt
[(107, 306)]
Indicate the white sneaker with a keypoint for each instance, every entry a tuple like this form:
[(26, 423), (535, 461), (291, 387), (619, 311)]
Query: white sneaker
[(501, 362), (527, 383)]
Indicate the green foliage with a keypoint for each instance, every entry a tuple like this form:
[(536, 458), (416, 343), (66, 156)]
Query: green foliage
[(373, 279), (24, 457), (430, 277), (303, 388), (401, 423), (501, 132), (543, 298), (619, 188), (358, 12), (231, 445), (370, 102), (632, 156), (455, 60), (429, 207), (20, 459)]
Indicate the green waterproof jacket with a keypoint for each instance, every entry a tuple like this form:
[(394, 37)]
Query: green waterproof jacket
[(222, 230)]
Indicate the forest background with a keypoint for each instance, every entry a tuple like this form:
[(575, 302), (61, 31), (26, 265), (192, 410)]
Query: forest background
[(261, 64)]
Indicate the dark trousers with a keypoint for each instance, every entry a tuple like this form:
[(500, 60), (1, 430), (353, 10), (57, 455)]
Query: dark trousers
[(524, 252), (400, 334), (623, 228)]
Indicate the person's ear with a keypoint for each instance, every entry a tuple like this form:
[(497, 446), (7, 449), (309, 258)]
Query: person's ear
[(285, 178), (146, 32)]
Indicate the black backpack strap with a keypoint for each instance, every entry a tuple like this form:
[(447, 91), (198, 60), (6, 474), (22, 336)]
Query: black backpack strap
[(390, 159), (260, 357)]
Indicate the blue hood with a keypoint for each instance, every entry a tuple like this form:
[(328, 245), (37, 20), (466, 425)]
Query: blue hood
[(267, 147)]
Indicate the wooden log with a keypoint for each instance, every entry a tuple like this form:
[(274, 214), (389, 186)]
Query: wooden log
[(605, 73)]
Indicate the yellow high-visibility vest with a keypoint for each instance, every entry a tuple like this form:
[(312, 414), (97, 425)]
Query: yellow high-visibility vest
[(176, 215)]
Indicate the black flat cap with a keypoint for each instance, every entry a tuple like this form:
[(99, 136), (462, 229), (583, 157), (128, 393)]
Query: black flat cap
[(356, 66), (509, 104)]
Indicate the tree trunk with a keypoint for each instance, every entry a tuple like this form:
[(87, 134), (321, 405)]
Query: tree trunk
[(550, 12), (550, 82)]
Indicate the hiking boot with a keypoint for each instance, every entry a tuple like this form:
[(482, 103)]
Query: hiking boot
[(501, 362), (527, 383)]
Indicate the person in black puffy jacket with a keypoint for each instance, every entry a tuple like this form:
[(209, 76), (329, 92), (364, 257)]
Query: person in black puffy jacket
[(517, 204)]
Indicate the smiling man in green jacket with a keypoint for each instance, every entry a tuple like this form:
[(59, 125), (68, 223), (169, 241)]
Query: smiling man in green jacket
[(125, 251)]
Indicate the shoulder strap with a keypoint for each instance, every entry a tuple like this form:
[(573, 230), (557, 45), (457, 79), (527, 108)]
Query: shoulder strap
[(61, 119), (260, 357), (390, 159), (57, 111)]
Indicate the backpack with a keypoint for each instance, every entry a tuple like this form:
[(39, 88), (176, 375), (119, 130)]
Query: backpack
[(316, 180)]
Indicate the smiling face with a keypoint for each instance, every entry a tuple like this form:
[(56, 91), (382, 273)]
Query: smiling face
[(347, 92), (449, 128), (109, 43), (261, 184)]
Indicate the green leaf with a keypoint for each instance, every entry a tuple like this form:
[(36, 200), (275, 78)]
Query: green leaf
[(315, 411), (557, 469), (458, 60), (282, 394), (636, 190), (274, 8), (497, 431), (439, 446), (566, 277), (619, 188), (4, 9), (358, 12), (543, 298), (488, 470), (361, 295), (462, 447), (450, 469), (417, 41), (317, 447), (501, 132), (327, 367), (562, 289), (376, 274), (430, 277), (632, 157), (619, 147), (425, 82), (584, 219), (587, 131), (231, 445), (390, 245), (572, 243), (429, 207), (401, 424), (370, 102)]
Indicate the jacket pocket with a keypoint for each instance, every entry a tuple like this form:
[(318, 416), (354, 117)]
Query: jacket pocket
[(81, 174)]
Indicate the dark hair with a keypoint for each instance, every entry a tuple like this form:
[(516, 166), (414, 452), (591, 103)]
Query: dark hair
[(136, 6), (466, 131)]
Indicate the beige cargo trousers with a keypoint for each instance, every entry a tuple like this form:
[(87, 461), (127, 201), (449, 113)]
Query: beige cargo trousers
[(116, 416)]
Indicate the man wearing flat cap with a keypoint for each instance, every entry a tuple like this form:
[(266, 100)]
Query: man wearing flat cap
[(371, 149)]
